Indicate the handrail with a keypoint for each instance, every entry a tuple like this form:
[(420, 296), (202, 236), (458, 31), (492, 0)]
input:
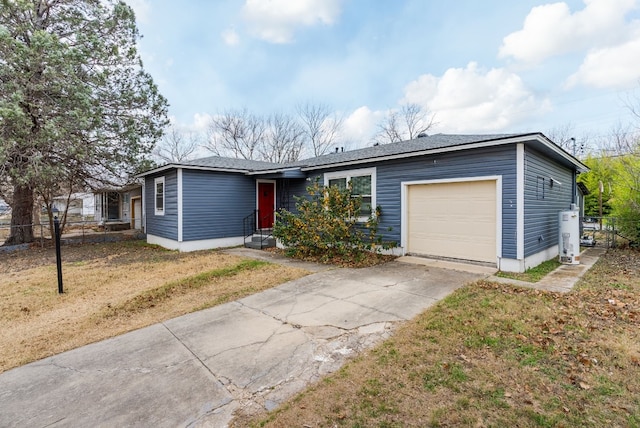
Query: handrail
[(263, 236), (250, 227), (249, 223)]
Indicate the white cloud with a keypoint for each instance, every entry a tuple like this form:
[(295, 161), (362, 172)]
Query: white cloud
[(230, 37), (615, 67), (360, 126), (472, 99), (141, 8), (201, 122), (276, 20), (552, 29)]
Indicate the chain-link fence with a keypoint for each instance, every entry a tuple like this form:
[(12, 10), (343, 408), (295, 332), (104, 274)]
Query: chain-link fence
[(607, 232), (74, 232)]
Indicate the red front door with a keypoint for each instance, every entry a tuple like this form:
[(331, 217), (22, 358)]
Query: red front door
[(266, 204)]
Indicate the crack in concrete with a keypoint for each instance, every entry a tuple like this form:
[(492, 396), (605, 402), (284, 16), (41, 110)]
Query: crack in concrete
[(289, 364), (72, 369), (190, 351), (262, 312), (269, 396), (54, 422), (210, 412), (141, 369)]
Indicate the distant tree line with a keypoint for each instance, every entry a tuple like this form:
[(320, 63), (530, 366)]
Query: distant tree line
[(314, 129)]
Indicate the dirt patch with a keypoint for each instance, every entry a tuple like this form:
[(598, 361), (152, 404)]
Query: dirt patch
[(112, 288)]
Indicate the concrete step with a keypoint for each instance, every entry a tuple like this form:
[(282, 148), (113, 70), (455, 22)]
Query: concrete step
[(256, 244)]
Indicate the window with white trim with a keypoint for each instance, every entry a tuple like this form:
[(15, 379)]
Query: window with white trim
[(159, 195), (363, 184)]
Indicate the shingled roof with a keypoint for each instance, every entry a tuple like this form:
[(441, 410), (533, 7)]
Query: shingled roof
[(421, 145), (232, 163)]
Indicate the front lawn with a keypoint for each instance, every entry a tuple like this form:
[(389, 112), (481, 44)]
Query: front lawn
[(112, 288)]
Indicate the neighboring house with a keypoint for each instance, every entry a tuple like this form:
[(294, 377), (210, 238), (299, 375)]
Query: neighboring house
[(4, 207), (120, 207), (485, 198), (81, 206)]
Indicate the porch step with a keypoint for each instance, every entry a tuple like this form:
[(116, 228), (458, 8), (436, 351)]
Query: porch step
[(257, 244)]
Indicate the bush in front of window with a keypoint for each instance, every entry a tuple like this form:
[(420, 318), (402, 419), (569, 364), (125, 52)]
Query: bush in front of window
[(327, 225)]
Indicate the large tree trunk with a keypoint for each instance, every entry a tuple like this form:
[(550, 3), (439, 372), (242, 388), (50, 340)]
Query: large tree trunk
[(21, 216)]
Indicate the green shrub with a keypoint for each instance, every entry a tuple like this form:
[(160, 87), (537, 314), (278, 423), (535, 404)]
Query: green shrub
[(327, 225)]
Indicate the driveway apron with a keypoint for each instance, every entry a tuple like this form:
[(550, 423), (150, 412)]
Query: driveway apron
[(254, 353)]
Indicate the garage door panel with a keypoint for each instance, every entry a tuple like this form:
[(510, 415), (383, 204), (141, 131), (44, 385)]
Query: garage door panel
[(455, 220)]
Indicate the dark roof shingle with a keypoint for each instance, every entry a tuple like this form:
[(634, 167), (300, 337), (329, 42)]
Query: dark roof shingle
[(431, 142), (402, 148), (231, 163)]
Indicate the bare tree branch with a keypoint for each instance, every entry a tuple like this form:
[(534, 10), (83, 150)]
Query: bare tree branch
[(177, 146), (322, 128), (565, 137), (236, 134), (284, 139), (416, 119), (406, 124)]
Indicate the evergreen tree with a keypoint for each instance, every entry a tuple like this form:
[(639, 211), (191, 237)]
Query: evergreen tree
[(76, 105)]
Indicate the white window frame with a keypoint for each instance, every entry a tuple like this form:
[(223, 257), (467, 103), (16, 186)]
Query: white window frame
[(348, 174), (156, 181)]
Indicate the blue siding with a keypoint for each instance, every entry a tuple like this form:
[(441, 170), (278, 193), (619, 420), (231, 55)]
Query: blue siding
[(287, 189), (165, 226), (298, 188), (214, 204), (499, 161), (541, 209)]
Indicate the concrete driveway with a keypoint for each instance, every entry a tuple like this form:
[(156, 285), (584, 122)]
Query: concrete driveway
[(196, 370)]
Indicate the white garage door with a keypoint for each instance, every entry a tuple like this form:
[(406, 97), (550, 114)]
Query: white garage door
[(455, 220)]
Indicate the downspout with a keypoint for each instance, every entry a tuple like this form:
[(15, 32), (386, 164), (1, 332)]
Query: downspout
[(574, 187)]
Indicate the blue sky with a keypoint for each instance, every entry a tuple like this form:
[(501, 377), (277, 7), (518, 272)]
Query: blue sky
[(485, 66)]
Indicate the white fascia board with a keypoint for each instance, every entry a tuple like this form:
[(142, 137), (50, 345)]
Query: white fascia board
[(194, 167), (559, 151), (272, 171)]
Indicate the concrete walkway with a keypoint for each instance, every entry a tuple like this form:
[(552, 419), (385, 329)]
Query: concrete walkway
[(196, 370), (563, 278)]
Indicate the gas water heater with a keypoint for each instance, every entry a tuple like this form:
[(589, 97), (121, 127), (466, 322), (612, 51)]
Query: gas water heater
[(569, 238)]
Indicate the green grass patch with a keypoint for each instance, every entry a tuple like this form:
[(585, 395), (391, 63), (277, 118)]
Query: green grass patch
[(533, 274), (155, 296), (448, 375)]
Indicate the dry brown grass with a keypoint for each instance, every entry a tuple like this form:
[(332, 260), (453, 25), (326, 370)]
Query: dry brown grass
[(111, 289), (497, 355)]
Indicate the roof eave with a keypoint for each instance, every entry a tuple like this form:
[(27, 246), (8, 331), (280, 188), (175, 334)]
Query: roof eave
[(194, 167), (272, 171), (580, 167), (475, 145)]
